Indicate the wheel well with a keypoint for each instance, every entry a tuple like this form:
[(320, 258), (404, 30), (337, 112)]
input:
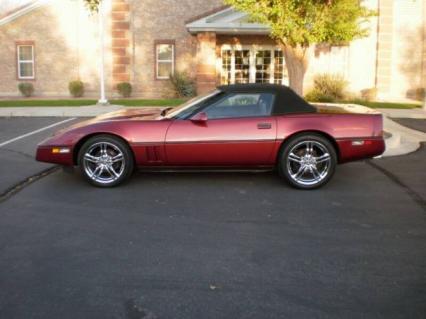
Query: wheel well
[(83, 140), (323, 134)]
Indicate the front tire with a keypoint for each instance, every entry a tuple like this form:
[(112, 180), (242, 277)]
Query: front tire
[(307, 161), (105, 161)]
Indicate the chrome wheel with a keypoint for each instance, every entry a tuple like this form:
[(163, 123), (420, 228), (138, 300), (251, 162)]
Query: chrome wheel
[(104, 162), (308, 162)]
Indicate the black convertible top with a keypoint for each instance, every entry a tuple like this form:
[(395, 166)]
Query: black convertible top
[(286, 100)]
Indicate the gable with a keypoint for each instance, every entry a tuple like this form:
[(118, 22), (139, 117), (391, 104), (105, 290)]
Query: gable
[(227, 21), (11, 13)]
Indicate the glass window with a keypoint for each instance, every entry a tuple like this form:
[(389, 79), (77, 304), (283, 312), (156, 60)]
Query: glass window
[(242, 66), (278, 67), (226, 66), (241, 105), (263, 66), (165, 60), (254, 65), (26, 61)]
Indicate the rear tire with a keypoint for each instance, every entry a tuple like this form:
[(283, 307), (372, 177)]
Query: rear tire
[(307, 161), (105, 161)]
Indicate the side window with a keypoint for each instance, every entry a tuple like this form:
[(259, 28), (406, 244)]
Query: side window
[(165, 60), (241, 105), (25, 61)]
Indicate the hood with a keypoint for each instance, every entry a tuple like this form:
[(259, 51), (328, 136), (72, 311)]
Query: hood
[(121, 115), (130, 114)]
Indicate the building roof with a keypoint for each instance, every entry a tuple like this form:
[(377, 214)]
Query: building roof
[(227, 21), (11, 10)]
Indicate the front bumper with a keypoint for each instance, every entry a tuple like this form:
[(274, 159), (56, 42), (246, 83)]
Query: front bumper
[(46, 153)]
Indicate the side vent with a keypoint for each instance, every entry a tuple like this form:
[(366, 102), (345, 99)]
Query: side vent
[(153, 153)]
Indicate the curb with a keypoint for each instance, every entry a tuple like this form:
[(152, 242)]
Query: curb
[(403, 140)]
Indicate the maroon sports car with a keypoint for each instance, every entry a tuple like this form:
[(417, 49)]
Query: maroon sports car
[(235, 127)]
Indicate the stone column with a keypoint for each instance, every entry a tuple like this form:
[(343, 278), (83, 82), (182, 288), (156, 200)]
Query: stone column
[(384, 48), (120, 37), (206, 62)]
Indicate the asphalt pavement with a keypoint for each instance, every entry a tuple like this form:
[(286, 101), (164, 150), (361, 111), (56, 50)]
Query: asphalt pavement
[(212, 245), (415, 124), (17, 151)]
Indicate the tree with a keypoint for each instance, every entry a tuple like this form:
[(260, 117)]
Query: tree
[(298, 24), (92, 5)]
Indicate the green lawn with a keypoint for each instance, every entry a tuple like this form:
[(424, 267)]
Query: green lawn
[(386, 105), (144, 102), (78, 102), (168, 102)]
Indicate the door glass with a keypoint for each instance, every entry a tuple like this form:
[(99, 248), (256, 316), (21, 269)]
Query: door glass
[(280, 71), (263, 66), (241, 105), (242, 66), (226, 67)]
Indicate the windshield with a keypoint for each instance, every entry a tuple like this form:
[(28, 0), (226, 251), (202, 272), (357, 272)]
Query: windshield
[(189, 104)]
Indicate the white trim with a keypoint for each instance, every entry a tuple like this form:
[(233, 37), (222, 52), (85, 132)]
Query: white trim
[(158, 61), (19, 61), (23, 11), (227, 21)]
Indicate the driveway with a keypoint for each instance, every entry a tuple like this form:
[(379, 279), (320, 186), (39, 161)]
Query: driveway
[(217, 245)]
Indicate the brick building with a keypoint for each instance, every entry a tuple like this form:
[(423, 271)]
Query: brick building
[(53, 42)]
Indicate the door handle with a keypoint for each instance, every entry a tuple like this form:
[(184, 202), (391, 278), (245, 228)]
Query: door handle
[(264, 126)]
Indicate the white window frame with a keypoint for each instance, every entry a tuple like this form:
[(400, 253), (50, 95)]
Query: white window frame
[(32, 61), (158, 61), (253, 49)]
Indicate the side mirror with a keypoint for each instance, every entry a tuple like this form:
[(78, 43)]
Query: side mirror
[(199, 117)]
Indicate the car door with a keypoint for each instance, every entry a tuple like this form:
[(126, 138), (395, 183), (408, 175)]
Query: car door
[(238, 131)]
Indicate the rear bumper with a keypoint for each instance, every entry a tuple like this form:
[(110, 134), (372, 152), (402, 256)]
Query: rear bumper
[(360, 148)]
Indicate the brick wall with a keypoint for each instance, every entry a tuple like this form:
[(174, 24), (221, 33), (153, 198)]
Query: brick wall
[(66, 49), (155, 20), (120, 42)]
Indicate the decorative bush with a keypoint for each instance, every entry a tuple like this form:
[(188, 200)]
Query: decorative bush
[(183, 85), (76, 88), (26, 89), (328, 88), (369, 94), (125, 89), (420, 94), (317, 96)]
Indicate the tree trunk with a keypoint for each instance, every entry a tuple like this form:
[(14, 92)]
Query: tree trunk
[(296, 59)]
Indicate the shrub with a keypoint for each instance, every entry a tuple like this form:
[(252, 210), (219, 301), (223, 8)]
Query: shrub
[(26, 89), (328, 88), (420, 94), (76, 88), (183, 85), (369, 94), (316, 96), (125, 89)]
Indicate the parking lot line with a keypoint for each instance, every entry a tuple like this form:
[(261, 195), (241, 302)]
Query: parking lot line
[(36, 131)]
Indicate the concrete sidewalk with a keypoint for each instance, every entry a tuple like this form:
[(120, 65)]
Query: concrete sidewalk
[(418, 113), (62, 111), (403, 140)]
